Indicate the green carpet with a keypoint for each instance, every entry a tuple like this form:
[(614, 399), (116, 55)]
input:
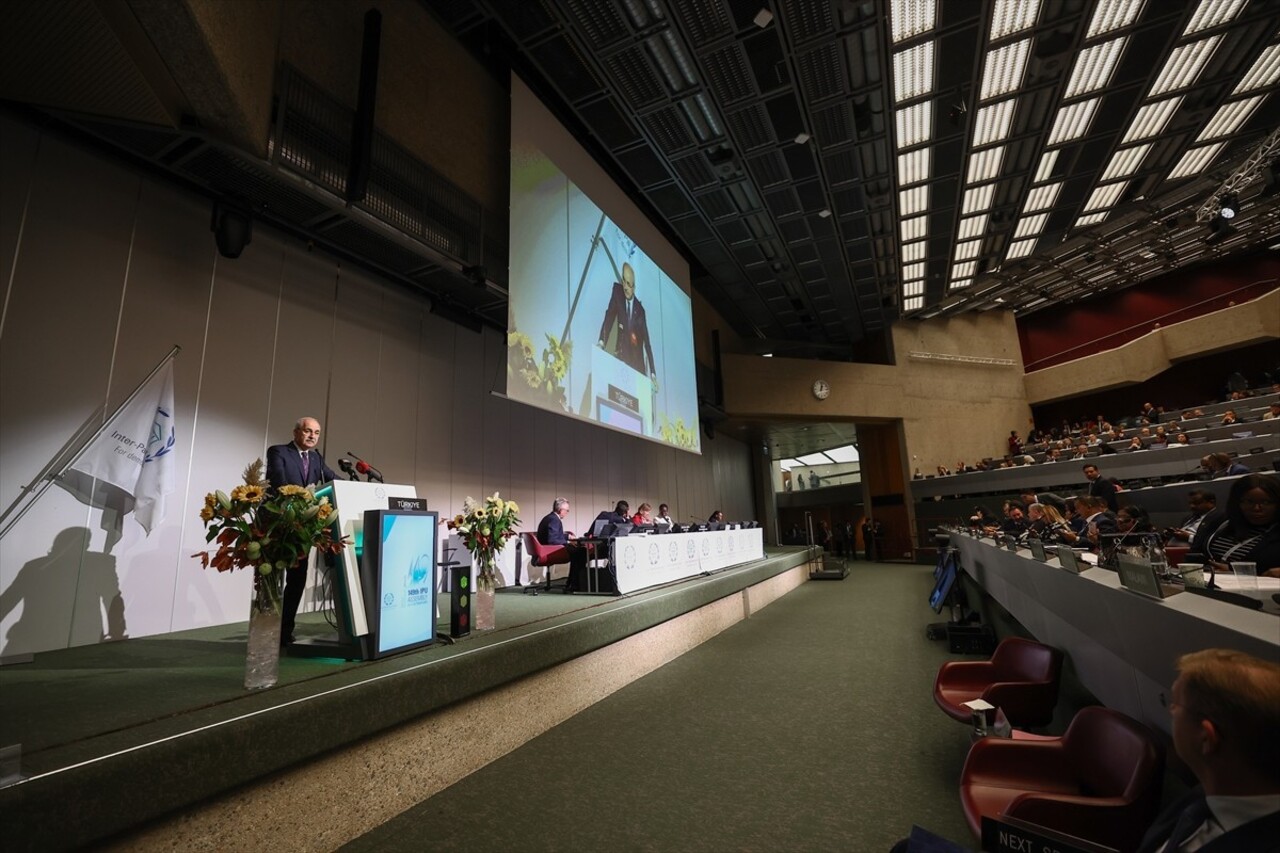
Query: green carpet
[(809, 726)]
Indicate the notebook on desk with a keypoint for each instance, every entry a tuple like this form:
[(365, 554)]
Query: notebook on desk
[(1138, 575)]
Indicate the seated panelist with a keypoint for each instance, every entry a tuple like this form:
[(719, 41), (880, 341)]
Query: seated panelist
[(551, 532)]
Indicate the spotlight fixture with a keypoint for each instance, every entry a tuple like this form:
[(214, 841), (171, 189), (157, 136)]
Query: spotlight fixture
[(1219, 229), (763, 18), (232, 228), (1229, 206), (477, 275)]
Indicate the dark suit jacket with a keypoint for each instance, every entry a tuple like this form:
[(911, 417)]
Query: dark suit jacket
[(1259, 836), (1105, 489), (633, 335), (284, 467), (551, 530)]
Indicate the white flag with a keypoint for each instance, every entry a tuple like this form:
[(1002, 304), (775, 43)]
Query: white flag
[(135, 452)]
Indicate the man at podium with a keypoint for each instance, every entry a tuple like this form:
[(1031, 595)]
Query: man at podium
[(297, 463)]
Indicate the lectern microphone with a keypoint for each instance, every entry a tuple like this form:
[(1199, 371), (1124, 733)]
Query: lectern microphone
[(348, 469), (373, 474)]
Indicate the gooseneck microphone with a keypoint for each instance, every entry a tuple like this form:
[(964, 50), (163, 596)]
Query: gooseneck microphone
[(348, 469), (371, 473)]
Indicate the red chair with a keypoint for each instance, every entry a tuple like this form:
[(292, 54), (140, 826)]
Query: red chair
[(1100, 781), (544, 555), (1021, 679)]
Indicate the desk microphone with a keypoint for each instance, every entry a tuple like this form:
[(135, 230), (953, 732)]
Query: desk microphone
[(373, 474), (348, 469)]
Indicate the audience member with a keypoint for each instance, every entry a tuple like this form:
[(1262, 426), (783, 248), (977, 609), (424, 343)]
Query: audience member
[(1098, 520), (1222, 465), (1225, 711), (1048, 524), (1272, 413), (1250, 531), (1200, 502), (1230, 417), (1015, 443), (1100, 486)]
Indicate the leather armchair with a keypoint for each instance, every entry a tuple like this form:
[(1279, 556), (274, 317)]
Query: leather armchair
[(1021, 679), (1100, 781), (544, 555)]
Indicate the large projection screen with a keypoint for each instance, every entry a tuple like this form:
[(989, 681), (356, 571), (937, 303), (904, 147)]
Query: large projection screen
[(600, 325)]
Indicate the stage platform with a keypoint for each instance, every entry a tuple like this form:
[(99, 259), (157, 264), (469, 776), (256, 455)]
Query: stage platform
[(117, 736)]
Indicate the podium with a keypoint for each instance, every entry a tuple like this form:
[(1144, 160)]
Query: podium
[(350, 499)]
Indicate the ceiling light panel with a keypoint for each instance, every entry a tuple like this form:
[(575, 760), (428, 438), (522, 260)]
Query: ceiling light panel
[(913, 167), (913, 201), (910, 18), (1004, 68), (1151, 119), (1042, 198), (1105, 196), (956, 285), (913, 71), (913, 304), (1013, 16), (972, 226), (1111, 15), (1030, 226), (1021, 248), (1094, 67), (1047, 161), (1195, 161), (968, 250), (914, 229), (984, 165), (993, 122), (913, 272), (1213, 13), (913, 288), (1125, 162), (1229, 117), (968, 269), (1072, 121), (1265, 72), (913, 251), (977, 199), (1184, 66), (914, 124), (1091, 219)]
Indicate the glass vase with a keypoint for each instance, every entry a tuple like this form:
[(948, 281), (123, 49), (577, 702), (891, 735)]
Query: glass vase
[(262, 663), (486, 587)]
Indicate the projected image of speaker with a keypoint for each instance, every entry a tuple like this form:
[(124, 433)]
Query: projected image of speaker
[(398, 574)]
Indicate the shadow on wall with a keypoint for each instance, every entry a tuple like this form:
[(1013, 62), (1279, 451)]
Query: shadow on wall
[(71, 589)]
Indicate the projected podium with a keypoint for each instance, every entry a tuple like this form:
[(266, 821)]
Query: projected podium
[(345, 591), (619, 395)]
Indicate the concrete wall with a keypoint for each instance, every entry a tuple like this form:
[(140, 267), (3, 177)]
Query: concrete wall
[(111, 268)]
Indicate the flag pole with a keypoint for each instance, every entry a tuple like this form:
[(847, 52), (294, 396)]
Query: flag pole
[(60, 461)]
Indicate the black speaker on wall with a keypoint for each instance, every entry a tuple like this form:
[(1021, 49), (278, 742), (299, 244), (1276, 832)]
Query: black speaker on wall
[(459, 601)]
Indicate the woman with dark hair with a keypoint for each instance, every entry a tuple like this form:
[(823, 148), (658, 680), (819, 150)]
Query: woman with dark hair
[(1250, 530)]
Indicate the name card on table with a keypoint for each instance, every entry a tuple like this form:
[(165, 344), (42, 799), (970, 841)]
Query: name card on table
[(1010, 835)]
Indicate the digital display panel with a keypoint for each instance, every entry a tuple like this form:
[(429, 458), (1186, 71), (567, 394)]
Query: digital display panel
[(406, 554)]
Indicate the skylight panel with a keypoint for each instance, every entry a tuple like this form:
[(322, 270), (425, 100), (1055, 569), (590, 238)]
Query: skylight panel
[(968, 250), (1213, 13), (1195, 161), (913, 288), (911, 18), (1184, 66), (1111, 15), (984, 165), (916, 228), (913, 304), (1265, 71), (972, 226), (913, 251), (913, 201), (1030, 226), (1125, 162), (811, 459), (914, 124), (1151, 119), (993, 122), (1021, 248), (1042, 198), (977, 199), (1047, 161), (1104, 196), (913, 167), (1094, 67), (843, 455), (1004, 68), (912, 272), (913, 71), (1229, 117), (1091, 219), (1072, 121), (967, 269), (1013, 16), (959, 283)]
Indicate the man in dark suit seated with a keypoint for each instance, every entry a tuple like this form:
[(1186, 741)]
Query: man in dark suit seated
[(1225, 709), (551, 532), (621, 514), (297, 463)]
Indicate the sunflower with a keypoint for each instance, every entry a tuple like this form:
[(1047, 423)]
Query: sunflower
[(253, 493), (237, 494), (206, 513), (293, 490)]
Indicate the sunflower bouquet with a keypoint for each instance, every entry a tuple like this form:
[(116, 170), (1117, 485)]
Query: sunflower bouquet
[(484, 527), (264, 530)]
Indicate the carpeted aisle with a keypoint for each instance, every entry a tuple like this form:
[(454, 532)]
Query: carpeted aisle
[(808, 727)]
